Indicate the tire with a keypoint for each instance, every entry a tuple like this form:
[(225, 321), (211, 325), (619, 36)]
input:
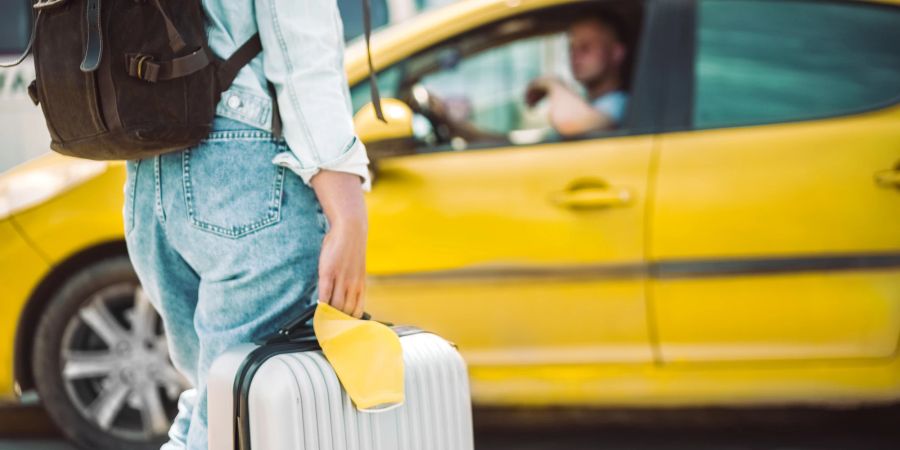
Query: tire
[(100, 361)]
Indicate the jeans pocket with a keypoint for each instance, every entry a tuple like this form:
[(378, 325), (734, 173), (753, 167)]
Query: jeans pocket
[(231, 187), (131, 172)]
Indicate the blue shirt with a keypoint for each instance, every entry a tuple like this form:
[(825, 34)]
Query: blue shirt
[(303, 56), (612, 104)]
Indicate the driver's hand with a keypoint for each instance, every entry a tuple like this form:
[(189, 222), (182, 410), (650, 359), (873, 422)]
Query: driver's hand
[(437, 106), (538, 89)]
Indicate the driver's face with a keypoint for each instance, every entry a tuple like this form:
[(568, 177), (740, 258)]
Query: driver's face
[(594, 51)]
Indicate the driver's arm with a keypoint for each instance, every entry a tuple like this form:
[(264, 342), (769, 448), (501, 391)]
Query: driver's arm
[(459, 128), (571, 115)]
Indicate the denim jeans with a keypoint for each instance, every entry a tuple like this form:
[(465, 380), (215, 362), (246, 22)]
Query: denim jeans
[(226, 245)]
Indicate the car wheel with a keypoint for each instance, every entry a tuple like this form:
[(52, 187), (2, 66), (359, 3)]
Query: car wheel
[(101, 364)]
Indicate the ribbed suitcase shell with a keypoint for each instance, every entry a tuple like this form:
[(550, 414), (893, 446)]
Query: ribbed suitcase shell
[(296, 403)]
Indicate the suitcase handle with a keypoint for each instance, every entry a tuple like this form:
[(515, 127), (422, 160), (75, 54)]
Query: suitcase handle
[(304, 317), (295, 328)]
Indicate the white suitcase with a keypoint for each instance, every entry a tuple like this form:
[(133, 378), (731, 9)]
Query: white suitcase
[(294, 401)]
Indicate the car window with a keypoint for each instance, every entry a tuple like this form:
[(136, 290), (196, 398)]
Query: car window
[(480, 79), (15, 27), (523, 56), (487, 89), (763, 61)]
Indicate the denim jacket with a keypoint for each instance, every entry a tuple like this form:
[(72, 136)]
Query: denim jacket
[(303, 56)]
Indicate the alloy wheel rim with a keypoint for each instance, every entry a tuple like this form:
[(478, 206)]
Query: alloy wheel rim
[(115, 364)]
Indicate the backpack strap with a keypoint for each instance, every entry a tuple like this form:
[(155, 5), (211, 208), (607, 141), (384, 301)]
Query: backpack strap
[(373, 84), (94, 48), (276, 116), (229, 69), (176, 42), (144, 67), (185, 65)]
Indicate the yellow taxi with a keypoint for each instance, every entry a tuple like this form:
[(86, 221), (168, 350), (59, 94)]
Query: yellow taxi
[(734, 242)]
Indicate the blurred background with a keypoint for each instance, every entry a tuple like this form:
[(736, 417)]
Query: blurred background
[(698, 248)]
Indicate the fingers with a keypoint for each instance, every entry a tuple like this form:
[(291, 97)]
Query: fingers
[(348, 297), (351, 303), (359, 306), (327, 276), (342, 270), (326, 287), (339, 295), (343, 295)]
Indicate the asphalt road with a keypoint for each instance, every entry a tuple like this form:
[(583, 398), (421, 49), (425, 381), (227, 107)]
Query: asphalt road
[(772, 429)]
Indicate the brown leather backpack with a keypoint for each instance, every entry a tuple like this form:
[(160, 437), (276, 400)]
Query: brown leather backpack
[(129, 79)]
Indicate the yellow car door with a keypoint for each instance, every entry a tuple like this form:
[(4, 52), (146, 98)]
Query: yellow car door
[(476, 247), (775, 228), (529, 256)]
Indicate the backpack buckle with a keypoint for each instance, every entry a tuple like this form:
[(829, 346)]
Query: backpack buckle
[(142, 67), (45, 4)]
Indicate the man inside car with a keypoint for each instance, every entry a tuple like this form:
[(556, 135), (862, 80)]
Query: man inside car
[(597, 54), (596, 57)]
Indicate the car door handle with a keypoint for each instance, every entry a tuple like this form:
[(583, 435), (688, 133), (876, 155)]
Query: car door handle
[(888, 178), (591, 197)]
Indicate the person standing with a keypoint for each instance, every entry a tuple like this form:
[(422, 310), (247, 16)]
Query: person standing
[(233, 237)]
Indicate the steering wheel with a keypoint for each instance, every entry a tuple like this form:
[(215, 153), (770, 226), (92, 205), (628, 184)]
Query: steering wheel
[(422, 101)]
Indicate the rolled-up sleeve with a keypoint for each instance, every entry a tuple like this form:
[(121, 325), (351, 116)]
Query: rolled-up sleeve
[(303, 57)]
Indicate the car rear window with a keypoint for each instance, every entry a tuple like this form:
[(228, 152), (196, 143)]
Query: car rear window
[(760, 61)]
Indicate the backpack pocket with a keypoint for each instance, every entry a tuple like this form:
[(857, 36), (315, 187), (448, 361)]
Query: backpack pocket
[(68, 96), (139, 29)]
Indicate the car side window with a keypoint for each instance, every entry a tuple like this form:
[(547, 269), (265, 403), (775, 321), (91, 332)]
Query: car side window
[(761, 61), (474, 90), (487, 89), (15, 27)]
